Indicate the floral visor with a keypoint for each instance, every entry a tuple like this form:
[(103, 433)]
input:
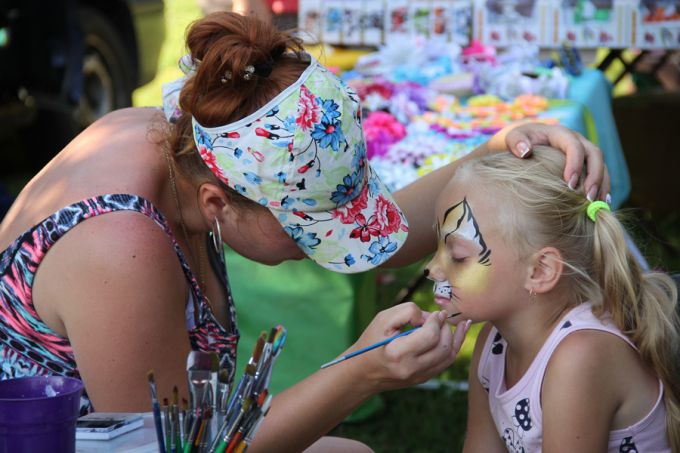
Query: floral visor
[(303, 156)]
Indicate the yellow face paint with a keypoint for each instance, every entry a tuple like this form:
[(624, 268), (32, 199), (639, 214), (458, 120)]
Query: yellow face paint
[(473, 278)]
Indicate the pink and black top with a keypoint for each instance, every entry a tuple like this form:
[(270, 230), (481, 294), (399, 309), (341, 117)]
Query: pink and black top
[(28, 347), (517, 411)]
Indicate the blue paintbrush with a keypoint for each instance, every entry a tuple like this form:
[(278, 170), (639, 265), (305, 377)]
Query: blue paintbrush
[(156, 412), (375, 345)]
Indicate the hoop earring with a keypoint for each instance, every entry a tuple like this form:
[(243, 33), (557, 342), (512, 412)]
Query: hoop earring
[(217, 243)]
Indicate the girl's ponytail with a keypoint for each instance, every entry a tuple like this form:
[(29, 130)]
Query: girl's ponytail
[(643, 306)]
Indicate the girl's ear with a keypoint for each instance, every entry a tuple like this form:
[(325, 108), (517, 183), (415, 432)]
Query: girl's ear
[(545, 270)]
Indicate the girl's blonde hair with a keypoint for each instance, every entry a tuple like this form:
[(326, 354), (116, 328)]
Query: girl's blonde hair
[(542, 211)]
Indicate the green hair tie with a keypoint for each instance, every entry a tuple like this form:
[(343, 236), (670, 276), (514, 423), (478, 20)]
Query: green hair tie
[(595, 206)]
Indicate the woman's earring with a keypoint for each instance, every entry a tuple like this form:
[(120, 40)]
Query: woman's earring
[(532, 294), (217, 236), (218, 244)]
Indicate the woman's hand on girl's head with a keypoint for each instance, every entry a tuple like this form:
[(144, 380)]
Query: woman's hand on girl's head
[(520, 139), (413, 358)]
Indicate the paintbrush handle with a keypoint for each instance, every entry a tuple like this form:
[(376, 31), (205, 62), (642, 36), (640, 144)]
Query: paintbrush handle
[(158, 424), (375, 345), (368, 348)]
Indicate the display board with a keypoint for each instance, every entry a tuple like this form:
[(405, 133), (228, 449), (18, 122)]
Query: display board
[(376, 22), (644, 24)]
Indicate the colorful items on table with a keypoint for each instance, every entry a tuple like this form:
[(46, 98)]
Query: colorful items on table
[(477, 51), (381, 130), (402, 99), (444, 133), (459, 84), (484, 114), (508, 83), (414, 120), (411, 59)]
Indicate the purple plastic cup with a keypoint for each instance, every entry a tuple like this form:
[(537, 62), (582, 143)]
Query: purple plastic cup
[(39, 414)]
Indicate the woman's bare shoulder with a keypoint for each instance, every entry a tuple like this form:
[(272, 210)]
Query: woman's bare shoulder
[(118, 254), (118, 233), (130, 114), (120, 124)]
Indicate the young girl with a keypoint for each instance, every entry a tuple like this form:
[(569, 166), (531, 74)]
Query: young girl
[(581, 348)]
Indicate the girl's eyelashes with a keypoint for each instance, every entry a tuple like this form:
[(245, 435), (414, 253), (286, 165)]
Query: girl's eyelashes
[(458, 259)]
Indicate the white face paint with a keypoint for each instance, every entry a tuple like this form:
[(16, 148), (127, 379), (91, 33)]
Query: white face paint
[(443, 289), (459, 221)]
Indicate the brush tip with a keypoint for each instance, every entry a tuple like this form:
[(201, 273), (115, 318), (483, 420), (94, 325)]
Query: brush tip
[(258, 348), (150, 376), (223, 376)]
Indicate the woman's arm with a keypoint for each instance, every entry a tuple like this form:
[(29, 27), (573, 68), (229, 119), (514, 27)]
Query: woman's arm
[(481, 435), (417, 199), (115, 284), (311, 408)]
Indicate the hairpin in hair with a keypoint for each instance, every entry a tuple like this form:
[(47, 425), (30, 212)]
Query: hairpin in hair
[(248, 72), (263, 69), (225, 77)]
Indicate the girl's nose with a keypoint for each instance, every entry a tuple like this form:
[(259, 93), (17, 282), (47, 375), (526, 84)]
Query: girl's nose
[(432, 272)]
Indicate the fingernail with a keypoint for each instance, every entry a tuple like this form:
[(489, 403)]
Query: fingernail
[(592, 193), (523, 149), (467, 324), (573, 181), (608, 199)]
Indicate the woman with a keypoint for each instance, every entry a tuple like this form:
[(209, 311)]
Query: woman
[(268, 155)]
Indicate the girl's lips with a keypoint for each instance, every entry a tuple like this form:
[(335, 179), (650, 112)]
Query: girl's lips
[(442, 301)]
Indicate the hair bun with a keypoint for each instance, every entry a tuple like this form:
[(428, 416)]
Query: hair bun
[(238, 55)]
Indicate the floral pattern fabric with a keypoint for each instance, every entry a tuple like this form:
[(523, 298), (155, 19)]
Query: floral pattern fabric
[(303, 156)]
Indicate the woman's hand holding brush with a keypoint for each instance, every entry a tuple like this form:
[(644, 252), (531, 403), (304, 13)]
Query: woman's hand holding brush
[(400, 359)]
